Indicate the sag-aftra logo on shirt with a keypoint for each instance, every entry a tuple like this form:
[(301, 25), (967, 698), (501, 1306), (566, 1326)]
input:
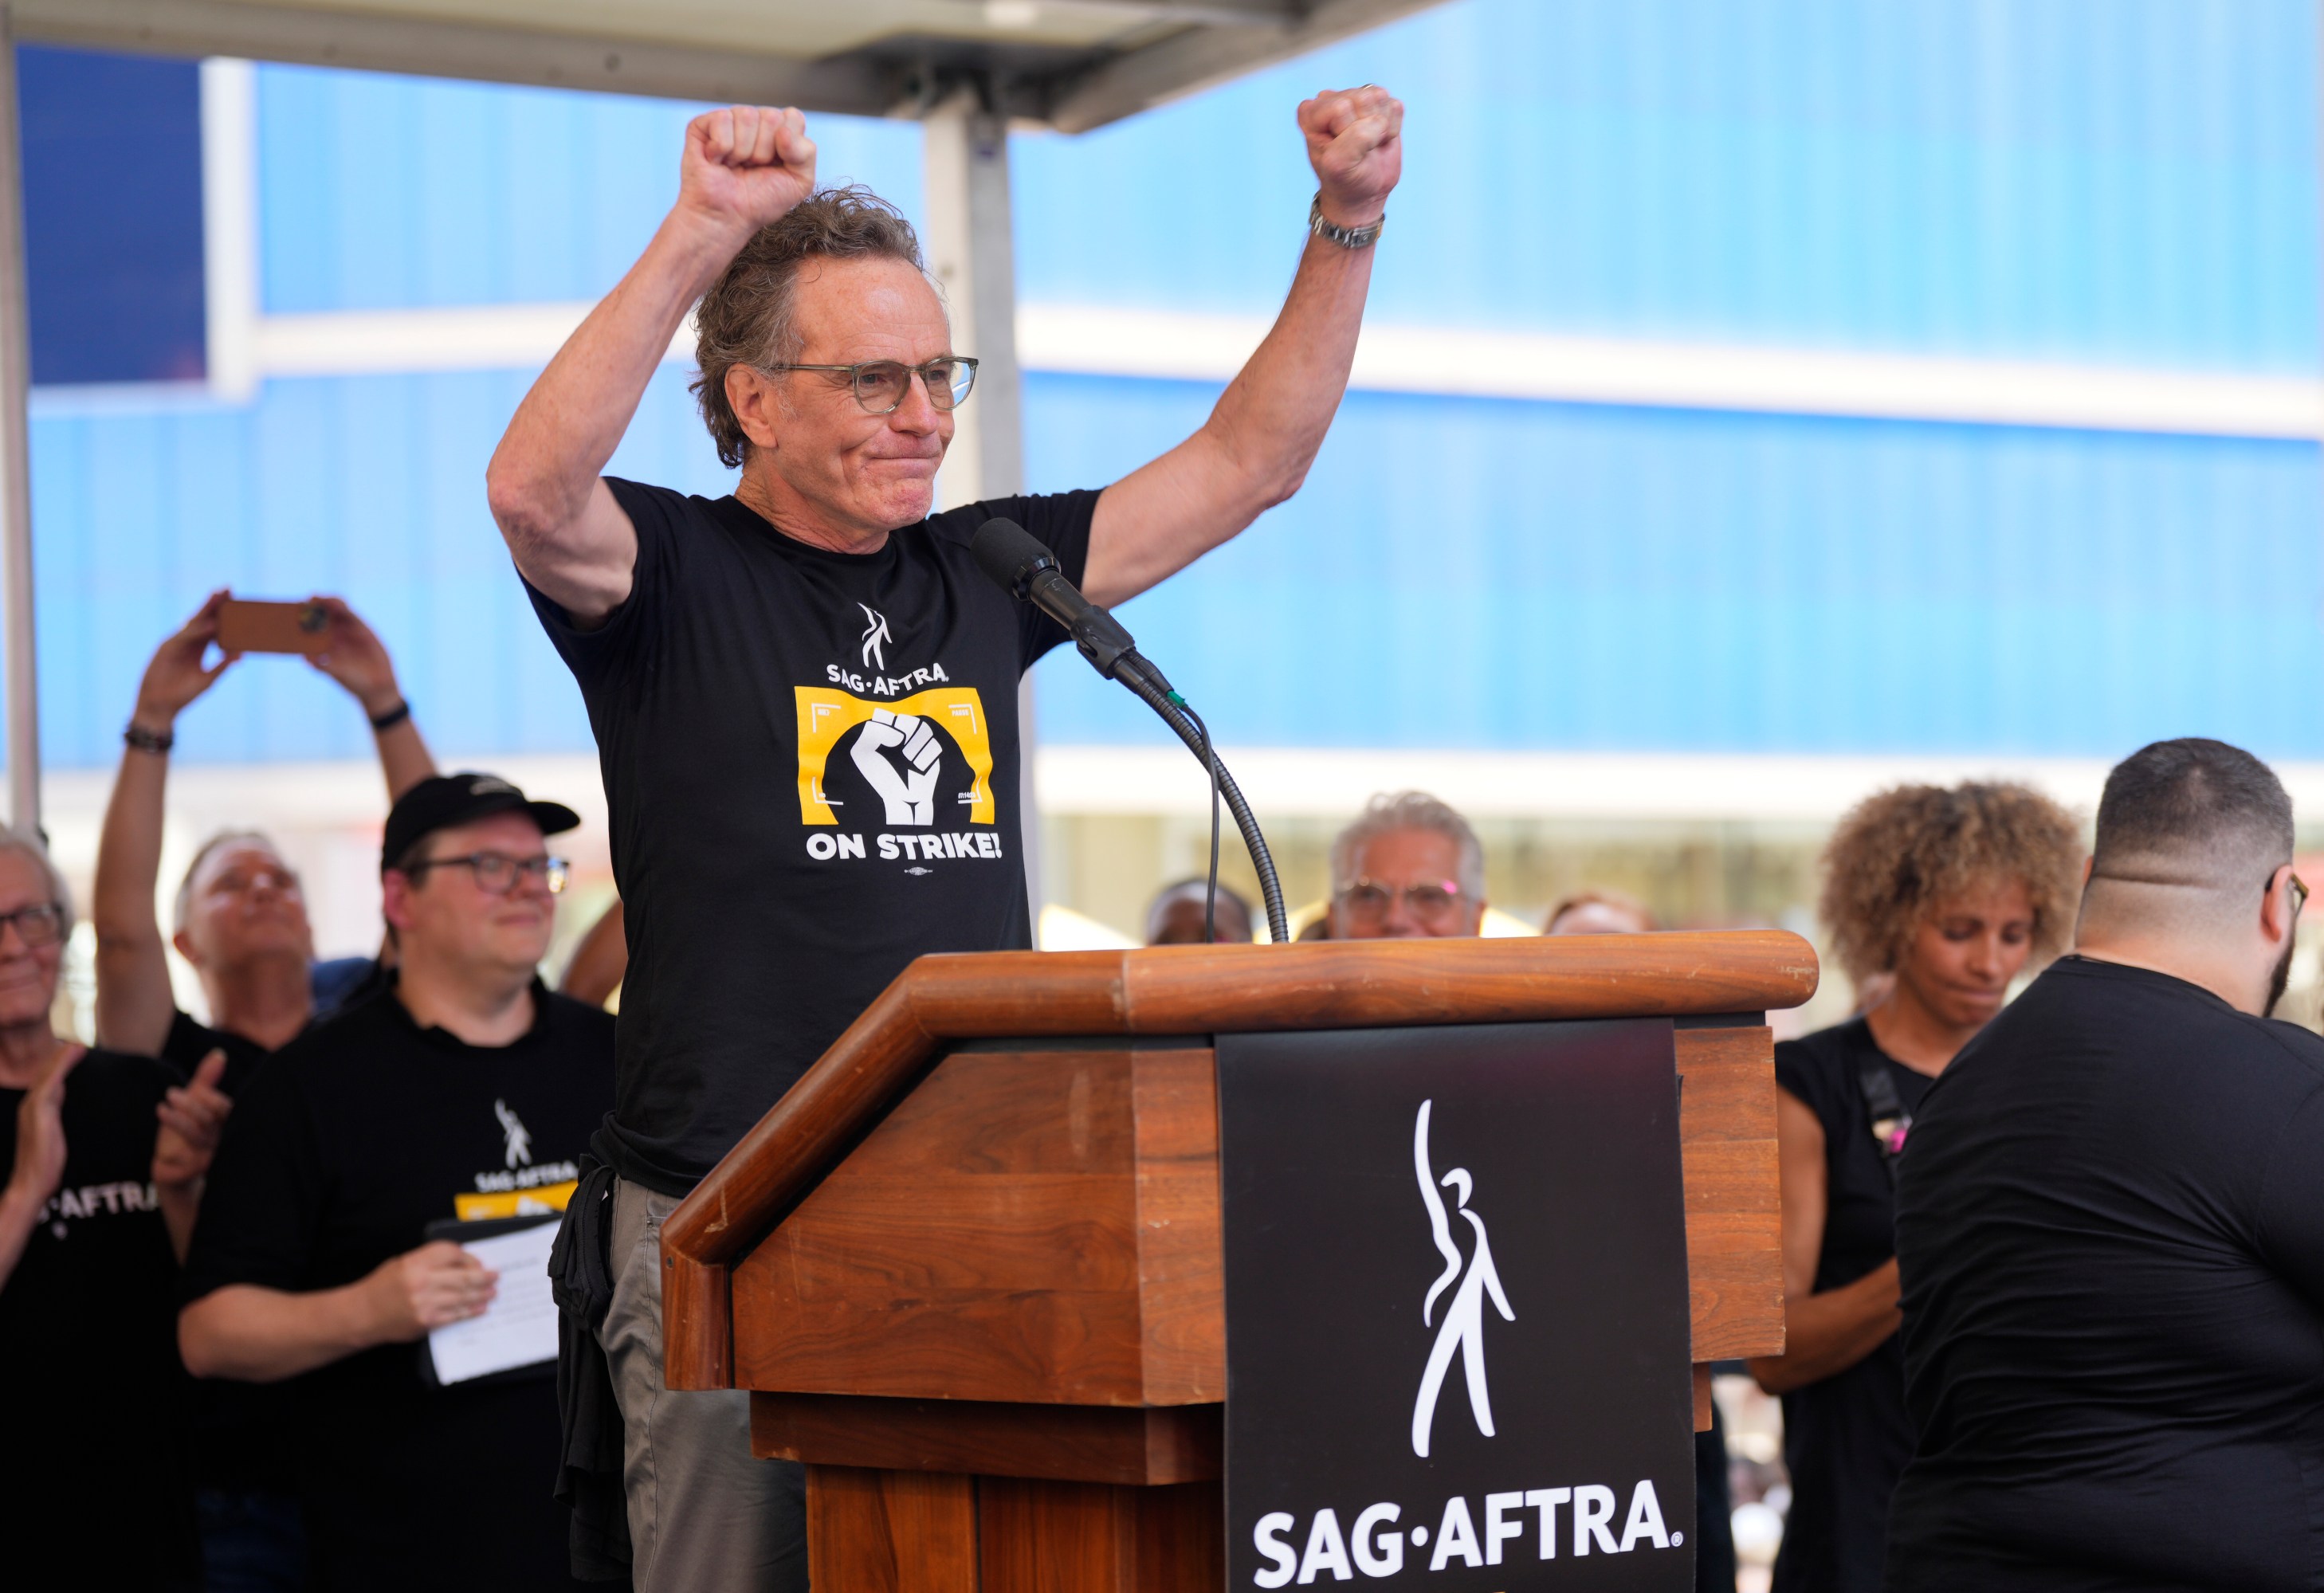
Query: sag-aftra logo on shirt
[(917, 772)]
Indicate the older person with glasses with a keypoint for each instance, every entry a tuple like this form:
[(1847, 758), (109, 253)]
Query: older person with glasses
[(1409, 867), (98, 1183), (805, 693)]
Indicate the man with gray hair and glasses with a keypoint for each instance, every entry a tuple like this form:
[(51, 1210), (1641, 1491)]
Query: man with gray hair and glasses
[(2110, 1229), (1409, 867), (805, 693)]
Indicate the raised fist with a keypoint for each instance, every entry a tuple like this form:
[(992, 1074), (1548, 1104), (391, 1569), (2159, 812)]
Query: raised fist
[(909, 793), (1355, 142), (744, 166)]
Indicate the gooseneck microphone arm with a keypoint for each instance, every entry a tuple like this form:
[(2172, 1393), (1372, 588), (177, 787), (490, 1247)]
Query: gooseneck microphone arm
[(1027, 569)]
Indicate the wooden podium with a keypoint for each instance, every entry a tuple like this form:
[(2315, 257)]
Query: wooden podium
[(969, 1267)]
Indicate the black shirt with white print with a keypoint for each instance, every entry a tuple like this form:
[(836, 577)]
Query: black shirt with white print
[(347, 1145), (811, 770), (91, 1463)]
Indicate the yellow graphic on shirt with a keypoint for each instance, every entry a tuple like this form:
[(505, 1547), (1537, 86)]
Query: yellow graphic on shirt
[(546, 1201), (899, 754)]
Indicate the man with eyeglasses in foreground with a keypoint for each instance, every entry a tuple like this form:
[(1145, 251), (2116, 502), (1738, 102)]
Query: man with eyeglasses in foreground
[(2110, 1229), (805, 695), (462, 1090), (1408, 868)]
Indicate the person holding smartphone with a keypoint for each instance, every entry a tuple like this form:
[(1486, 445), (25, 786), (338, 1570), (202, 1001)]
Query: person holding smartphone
[(241, 921)]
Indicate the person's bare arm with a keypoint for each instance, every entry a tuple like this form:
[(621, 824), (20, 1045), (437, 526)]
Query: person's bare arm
[(260, 1335), (39, 1159), (1827, 1333), (600, 962), (1256, 449), (743, 167), (134, 1003), (358, 660)]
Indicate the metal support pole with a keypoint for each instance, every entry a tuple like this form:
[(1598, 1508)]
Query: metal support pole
[(975, 259), (972, 253), (18, 662)]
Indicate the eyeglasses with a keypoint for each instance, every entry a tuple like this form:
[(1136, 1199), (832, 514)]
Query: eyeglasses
[(1431, 902), (881, 385), (235, 882), (2299, 892), (41, 924), (497, 874)]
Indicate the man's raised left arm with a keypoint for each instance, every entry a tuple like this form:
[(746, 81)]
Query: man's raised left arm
[(1255, 449)]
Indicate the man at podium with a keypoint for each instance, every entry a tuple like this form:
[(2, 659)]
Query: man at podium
[(805, 693)]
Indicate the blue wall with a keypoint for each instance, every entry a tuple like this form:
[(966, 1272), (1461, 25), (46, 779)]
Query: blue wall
[(2130, 180)]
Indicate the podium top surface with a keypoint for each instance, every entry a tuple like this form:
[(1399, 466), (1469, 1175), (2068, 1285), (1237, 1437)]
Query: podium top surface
[(1200, 991)]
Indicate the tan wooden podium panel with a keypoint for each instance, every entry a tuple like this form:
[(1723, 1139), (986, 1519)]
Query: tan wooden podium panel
[(972, 1264)]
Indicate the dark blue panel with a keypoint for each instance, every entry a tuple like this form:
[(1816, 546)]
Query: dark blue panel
[(113, 216)]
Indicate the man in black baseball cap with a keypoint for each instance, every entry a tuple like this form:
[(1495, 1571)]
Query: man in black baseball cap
[(443, 801), (461, 1089)]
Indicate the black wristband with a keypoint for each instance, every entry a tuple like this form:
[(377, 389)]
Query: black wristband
[(148, 740), (392, 717)]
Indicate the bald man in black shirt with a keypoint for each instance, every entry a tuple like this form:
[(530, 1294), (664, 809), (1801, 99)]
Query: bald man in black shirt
[(2110, 1225)]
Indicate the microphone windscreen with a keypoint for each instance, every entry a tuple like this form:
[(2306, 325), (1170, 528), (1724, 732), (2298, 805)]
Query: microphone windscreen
[(1007, 552)]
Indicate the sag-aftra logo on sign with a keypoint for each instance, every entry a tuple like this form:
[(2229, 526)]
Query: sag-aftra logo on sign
[(1374, 1543), (1457, 1328)]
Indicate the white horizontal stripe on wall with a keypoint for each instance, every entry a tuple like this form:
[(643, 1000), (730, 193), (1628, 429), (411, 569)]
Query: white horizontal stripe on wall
[(1658, 787), (1461, 362)]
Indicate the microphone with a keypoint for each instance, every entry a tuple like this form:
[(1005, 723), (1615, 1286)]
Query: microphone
[(1021, 566), (1027, 570)]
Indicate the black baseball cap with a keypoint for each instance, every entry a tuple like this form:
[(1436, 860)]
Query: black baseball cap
[(443, 800)]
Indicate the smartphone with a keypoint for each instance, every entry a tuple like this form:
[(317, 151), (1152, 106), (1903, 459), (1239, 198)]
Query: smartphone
[(272, 627)]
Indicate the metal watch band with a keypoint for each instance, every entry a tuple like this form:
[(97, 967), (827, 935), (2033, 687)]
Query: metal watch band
[(1346, 237), (148, 740)]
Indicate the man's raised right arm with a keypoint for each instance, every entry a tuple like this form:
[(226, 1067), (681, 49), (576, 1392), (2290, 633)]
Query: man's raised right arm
[(743, 167)]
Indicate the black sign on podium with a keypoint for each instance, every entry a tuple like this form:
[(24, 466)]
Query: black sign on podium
[(1456, 1306)]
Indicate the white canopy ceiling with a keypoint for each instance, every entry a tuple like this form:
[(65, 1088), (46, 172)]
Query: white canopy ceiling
[(1070, 64)]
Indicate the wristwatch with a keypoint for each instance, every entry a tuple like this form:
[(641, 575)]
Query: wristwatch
[(1346, 237)]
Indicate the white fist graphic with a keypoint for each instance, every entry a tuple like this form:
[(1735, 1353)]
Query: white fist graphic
[(911, 794)]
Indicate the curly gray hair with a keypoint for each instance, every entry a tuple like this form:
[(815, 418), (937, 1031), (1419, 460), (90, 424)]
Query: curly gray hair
[(1409, 810)]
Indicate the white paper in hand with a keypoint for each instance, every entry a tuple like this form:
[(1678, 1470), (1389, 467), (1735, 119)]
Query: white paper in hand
[(519, 1329)]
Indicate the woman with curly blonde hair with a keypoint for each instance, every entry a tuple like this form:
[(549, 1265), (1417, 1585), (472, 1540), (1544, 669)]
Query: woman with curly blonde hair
[(1936, 898)]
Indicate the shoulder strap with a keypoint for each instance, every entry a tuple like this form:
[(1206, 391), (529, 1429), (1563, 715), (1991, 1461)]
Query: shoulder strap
[(1884, 1109)]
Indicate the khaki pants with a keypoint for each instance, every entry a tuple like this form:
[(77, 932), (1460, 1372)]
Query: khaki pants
[(704, 1515)]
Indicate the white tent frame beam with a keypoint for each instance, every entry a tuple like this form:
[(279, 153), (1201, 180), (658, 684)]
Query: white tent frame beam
[(1219, 40)]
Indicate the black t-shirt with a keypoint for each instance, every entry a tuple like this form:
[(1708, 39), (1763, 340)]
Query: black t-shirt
[(341, 982), (189, 1043), (2111, 1226), (236, 1442), (93, 1451), (811, 771), (1847, 1437), (353, 1138)]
